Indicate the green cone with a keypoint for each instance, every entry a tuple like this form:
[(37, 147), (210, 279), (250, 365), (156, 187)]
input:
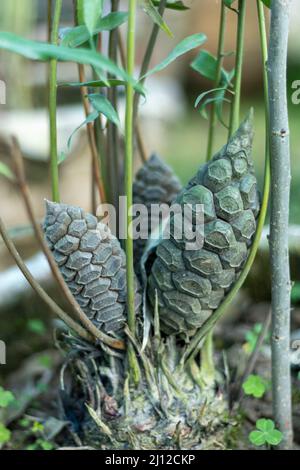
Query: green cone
[(190, 284)]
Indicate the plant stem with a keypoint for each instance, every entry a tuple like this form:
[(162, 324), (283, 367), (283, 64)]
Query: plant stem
[(53, 104), (148, 54), (207, 360), (112, 130), (220, 56), (134, 371), (192, 349), (235, 108), (280, 195)]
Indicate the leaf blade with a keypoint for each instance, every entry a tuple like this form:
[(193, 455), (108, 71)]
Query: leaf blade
[(189, 43)]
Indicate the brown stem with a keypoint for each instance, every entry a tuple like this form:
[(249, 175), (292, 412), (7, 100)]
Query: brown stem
[(38, 289), (20, 175), (91, 137), (139, 137)]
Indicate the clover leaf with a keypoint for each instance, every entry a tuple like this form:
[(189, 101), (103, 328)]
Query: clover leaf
[(5, 434), (255, 386), (6, 398), (266, 433)]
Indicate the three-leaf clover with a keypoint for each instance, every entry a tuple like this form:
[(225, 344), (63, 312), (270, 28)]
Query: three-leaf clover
[(266, 433), (5, 434), (255, 386), (6, 398)]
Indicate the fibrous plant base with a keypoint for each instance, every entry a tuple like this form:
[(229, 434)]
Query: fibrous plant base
[(190, 284)]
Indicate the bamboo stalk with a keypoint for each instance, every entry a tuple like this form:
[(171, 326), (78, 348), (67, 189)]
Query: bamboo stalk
[(280, 197), (129, 138), (20, 175), (38, 289), (53, 104), (235, 108), (220, 57)]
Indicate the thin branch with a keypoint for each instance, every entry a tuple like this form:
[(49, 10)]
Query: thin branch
[(148, 55), (139, 137), (220, 57), (20, 175), (91, 137), (38, 289), (240, 41), (112, 130), (279, 222)]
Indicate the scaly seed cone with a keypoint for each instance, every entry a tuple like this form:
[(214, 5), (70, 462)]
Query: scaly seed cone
[(92, 263), (190, 284), (155, 183)]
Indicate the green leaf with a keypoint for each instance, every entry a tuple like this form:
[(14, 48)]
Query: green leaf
[(91, 117), (255, 386), (101, 84), (74, 37), (265, 425), (175, 5), (5, 434), (6, 171), (43, 51), (36, 326), (205, 93), (91, 11), (265, 433), (152, 12), (189, 43), (6, 398), (103, 106), (267, 3), (228, 3), (274, 437), (257, 438), (206, 64)]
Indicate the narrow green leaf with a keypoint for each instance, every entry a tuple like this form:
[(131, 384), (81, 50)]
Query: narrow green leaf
[(175, 5), (103, 106), (205, 93), (153, 13), (91, 11), (74, 37), (216, 99), (43, 51), (91, 117), (267, 3), (101, 84), (228, 3), (6, 171), (206, 65), (189, 43)]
